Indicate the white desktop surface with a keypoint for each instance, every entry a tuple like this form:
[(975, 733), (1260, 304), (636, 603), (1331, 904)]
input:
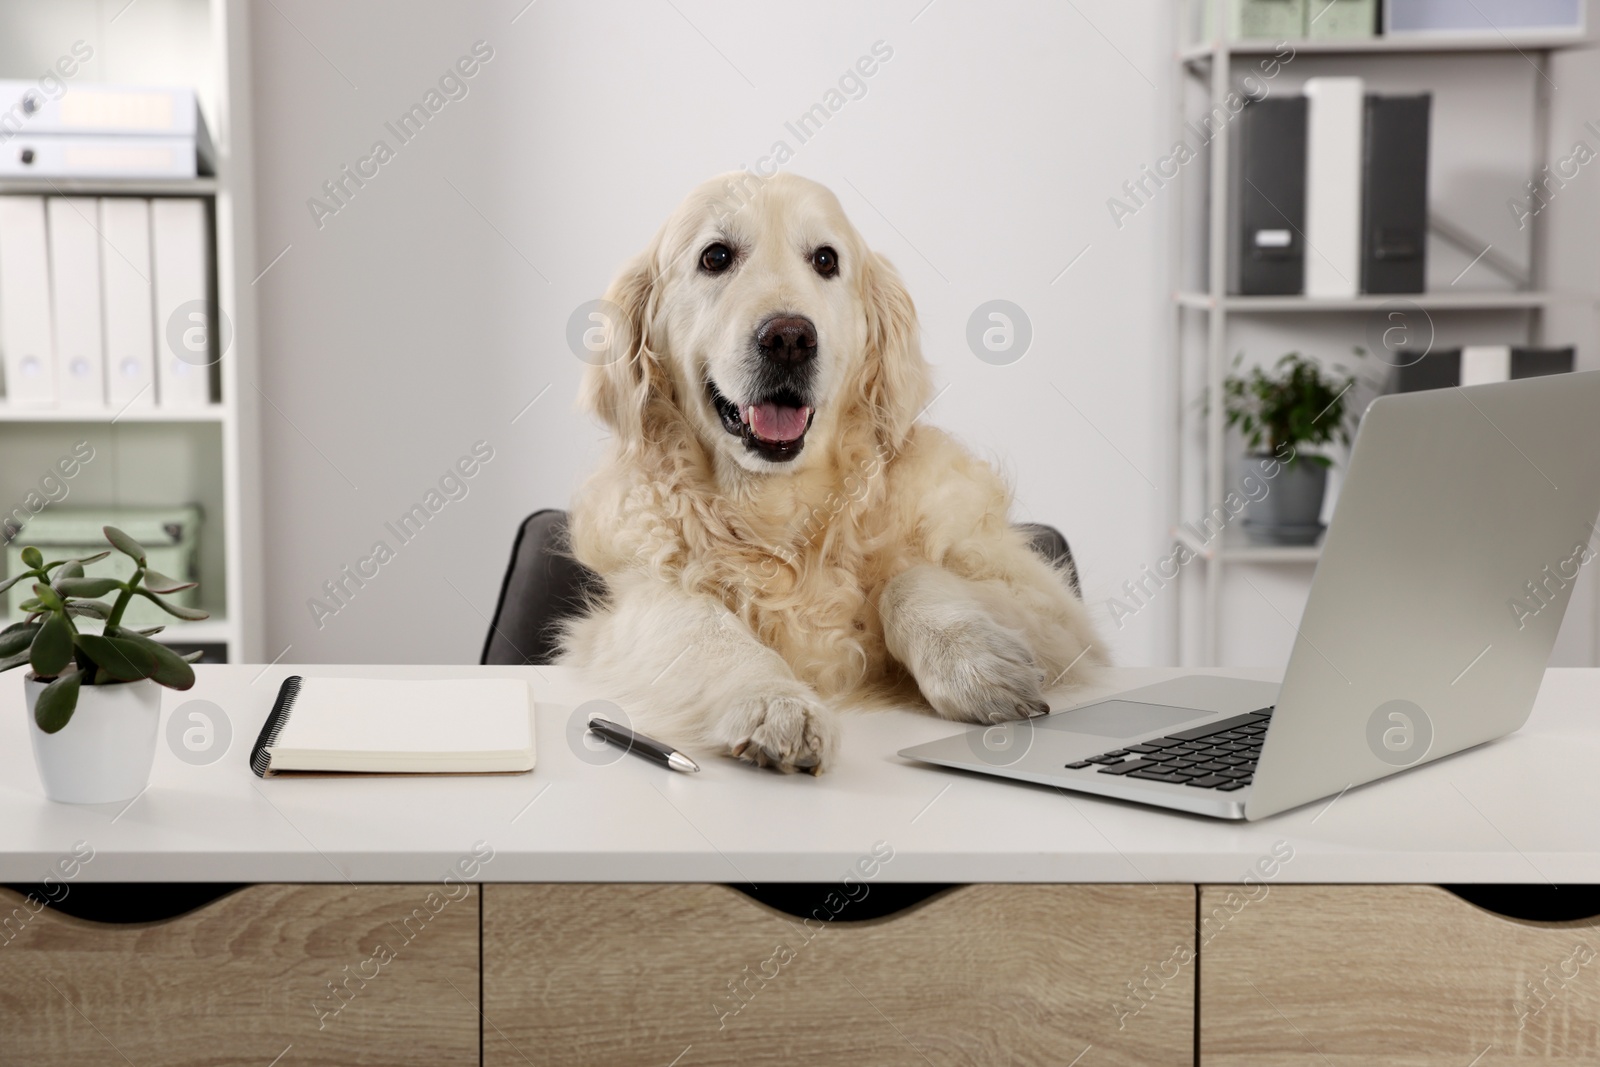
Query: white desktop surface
[(1522, 809)]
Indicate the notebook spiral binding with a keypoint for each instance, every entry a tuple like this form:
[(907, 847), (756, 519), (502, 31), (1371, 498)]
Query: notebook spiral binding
[(260, 758)]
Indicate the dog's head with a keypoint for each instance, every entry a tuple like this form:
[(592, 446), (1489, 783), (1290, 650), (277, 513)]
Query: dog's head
[(759, 317)]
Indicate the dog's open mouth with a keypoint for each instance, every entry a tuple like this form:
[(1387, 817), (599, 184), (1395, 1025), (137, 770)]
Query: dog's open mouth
[(774, 428)]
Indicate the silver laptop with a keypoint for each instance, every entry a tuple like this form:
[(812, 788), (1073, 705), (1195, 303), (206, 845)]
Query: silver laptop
[(1464, 520)]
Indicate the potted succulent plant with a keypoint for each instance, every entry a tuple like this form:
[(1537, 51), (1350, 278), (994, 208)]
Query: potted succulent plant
[(93, 698), (1281, 414)]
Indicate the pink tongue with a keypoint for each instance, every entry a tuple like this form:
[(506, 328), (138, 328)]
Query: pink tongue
[(774, 422)]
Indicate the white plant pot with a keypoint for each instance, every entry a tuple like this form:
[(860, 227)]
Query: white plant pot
[(105, 751)]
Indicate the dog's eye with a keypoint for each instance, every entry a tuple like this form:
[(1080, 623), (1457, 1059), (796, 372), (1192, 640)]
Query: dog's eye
[(825, 261), (716, 258)]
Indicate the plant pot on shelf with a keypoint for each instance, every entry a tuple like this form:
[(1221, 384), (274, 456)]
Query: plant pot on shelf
[(1290, 512), (1285, 412), (105, 752)]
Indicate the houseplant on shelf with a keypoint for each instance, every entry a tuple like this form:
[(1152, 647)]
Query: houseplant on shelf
[(1280, 414), (93, 698)]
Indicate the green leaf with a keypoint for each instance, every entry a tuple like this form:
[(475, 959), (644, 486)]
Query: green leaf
[(86, 586), (172, 670), (17, 638), (16, 660), (58, 701), (178, 610), (70, 568), (32, 557), (118, 657), (96, 558), (1296, 404), (124, 544), (149, 631), (91, 609), (193, 657), (15, 578), (157, 582), (52, 648), (30, 605), (47, 596)]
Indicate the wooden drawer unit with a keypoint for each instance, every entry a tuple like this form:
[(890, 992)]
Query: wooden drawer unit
[(246, 979), (1406, 976), (613, 975)]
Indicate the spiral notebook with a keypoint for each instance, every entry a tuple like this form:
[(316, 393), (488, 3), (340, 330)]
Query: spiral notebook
[(389, 726)]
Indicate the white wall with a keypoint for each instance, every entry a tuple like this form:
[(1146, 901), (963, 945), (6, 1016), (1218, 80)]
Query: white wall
[(427, 313)]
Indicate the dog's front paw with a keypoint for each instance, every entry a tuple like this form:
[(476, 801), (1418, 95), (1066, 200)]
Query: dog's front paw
[(978, 671), (787, 731)]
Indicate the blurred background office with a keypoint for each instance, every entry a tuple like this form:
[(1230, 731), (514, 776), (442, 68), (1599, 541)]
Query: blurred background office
[(391, 216)]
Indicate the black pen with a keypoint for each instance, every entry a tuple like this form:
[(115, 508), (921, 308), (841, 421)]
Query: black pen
[(639, 744)]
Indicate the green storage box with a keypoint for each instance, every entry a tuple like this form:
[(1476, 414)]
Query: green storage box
[(1341, 19), (1273, 20), (169, 536)]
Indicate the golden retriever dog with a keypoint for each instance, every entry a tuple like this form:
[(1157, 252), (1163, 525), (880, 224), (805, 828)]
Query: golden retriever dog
[(779, 534)]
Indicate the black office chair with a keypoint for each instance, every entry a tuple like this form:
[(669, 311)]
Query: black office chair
[(544, 586)]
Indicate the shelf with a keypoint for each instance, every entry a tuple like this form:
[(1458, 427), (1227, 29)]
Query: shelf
[(1408, 45), (109, 186), (210, 413), (213, 631), (1451, 301), (1234, 547)]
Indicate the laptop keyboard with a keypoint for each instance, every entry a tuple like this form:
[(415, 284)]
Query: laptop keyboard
[(1220, 755)]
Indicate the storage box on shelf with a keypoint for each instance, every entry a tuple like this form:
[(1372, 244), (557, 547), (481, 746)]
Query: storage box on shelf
[(1293, 19), (1421, 19), (170, 535), (1414, 25), (55, 469)]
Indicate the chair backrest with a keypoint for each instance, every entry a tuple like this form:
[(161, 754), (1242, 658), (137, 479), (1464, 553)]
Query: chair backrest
[(1048, 542), (544, 585)]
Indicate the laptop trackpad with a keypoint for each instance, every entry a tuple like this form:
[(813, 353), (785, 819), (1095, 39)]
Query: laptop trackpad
[(1118, 718)]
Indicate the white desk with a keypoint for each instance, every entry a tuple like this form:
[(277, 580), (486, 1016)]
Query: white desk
[(1519, 810)]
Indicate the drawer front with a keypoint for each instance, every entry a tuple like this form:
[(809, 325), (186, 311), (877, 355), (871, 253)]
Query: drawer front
[(994, 974), (246, 978), (1409, 976)]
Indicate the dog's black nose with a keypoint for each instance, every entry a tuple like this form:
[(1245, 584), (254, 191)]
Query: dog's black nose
[(790, 340)]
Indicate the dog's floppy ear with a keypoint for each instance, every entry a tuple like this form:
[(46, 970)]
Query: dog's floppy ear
[(625, 370), (895, 381)]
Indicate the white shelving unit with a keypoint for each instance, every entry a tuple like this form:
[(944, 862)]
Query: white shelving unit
[(212, 413), (156, 456), (1196, 632), (1197, 55), (147, 187), (1290, 305)]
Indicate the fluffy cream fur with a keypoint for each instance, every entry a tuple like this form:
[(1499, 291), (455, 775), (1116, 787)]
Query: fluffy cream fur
[(747, 599)]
